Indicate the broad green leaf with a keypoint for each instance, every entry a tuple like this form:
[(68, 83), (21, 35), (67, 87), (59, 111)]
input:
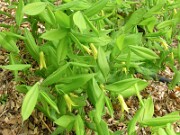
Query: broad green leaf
[(22, 88), (79, 125), (134, 57), (81, 64), (161, 121), (79, 21), (91, 25), (95, 8), (62, 19), (48, 16), (74, 5), (121, 85), (132, 124), (134, 19), (55, 76), (16, 67), (161, 131), (8, 33), (54, 34), (93, 91), (19, 12), (166, 24), (141, 84), (120, 41), (144, 52), (14, 59), (31, 46), (148, 109), (8, 43), (51, 15), (49, 101), (170, 130), (109, 106), (29, 101), (103, 63), (100, 106), (133, 39), (176, 79), (91, 38), (156, 34), (34, 8), (62, 49), (155, 9), (74, 82), (65, 121), (104, 127)]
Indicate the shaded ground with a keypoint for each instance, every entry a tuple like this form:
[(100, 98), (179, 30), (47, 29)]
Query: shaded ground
[(165, 101)]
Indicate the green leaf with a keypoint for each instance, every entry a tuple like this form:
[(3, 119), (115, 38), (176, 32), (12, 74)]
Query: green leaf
[(79, 125), (102, 62), (120, 41), (141, 84), (176, 79), (79, 21), (91, 25), (95, 8), (34, 8), (65, 121), (100, 106), (74, 5), (9, 44), (148, 109), (54, 34), (49, 101), (62, 49), (161, 121), (19, 12), (16, 67), (74, 82), (134, 19), (169, 129), (109, 106), (55, 76), (121, 85), (161, 131), (144, 52), (62, 19), (29, 101), (31, 46), (93, 91), (132, 124)]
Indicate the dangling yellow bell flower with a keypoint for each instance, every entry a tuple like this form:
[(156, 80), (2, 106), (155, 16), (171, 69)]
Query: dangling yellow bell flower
[(122, 103), (86, 49), (94, 51), (42, 63), (69, 102)]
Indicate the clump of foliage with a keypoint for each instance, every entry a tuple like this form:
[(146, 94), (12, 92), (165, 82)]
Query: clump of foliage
[(89, 51)]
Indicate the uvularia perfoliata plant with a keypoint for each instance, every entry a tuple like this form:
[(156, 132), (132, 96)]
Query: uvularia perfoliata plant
[(87, 51)]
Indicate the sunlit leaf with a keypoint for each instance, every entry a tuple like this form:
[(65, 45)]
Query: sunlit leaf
[(29, 101)]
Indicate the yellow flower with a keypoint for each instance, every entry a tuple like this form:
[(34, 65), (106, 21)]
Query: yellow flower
[(94, 51), (164, 44), (124, 68), (122, 103), (87, 49), (69, 102), (42, 61)]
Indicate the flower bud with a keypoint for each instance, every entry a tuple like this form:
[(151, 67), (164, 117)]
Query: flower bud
[(42, 61)]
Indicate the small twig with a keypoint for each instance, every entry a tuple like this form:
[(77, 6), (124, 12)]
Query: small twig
[(3, 113), (46, 126)]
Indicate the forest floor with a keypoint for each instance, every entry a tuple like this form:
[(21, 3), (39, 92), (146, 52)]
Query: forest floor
[(165, 100)]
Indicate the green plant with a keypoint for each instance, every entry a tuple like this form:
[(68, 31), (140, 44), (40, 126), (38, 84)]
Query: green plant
[(89, 50)]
